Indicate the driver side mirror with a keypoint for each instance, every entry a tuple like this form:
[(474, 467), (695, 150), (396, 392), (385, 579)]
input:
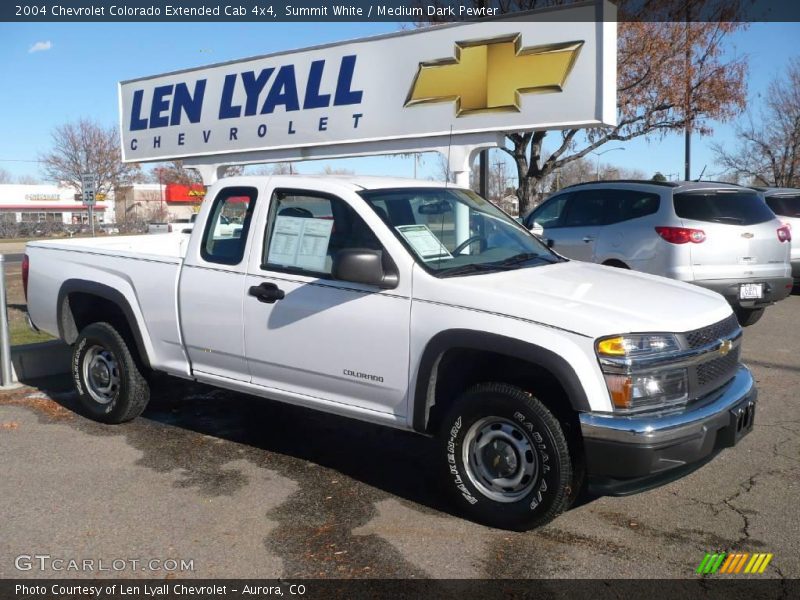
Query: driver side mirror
[(360, 265)]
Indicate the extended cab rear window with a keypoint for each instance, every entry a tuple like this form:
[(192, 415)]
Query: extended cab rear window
[(785, 206), (721, 206)]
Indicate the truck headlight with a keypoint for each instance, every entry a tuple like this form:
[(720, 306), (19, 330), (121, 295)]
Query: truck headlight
[(647, 391), (634, 383), (639, 344)]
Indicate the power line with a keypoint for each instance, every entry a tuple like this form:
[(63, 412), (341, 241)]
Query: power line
[(19, 160)]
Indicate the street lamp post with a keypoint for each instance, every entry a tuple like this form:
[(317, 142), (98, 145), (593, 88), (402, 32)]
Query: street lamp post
[(598, 155)]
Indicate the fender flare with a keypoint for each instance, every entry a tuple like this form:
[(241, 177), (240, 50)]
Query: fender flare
[(67, 329), (480, 340)]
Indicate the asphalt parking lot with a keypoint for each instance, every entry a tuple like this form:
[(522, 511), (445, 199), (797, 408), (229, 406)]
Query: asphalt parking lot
[(244, 487)]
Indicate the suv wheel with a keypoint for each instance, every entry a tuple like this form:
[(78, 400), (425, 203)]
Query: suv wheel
[(749, 316), (505, 458), (110, 387)]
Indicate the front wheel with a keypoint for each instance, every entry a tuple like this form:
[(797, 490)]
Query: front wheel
[(749, 316), (110, 387), (506, 458)]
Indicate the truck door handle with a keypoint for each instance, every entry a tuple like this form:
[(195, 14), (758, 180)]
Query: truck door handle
[(588, 239), (267, 292)]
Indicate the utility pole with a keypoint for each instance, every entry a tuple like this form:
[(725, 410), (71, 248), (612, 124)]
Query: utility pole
[(687, 134), (483, 174)]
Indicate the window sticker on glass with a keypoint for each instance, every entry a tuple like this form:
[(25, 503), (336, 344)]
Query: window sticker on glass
[(424, 242), (300, 242)]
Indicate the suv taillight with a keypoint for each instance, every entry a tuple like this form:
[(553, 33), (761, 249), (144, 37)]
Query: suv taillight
[(785, 232), (25, 268), (681, 235)]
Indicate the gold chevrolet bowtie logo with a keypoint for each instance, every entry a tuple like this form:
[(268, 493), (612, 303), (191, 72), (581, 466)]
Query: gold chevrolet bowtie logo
[(725, 347), (490, 75)]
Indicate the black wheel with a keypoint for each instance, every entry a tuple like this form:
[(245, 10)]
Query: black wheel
[(110, 387), (506, 459), (749, 316)]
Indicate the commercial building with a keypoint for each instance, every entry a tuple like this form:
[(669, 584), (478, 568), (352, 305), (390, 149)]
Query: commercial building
[(48, 204), (154, 202)]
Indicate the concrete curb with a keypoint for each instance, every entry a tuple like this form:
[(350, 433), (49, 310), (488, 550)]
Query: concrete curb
[(43, 359)]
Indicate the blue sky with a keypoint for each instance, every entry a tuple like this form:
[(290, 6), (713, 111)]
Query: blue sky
[(77, 77)]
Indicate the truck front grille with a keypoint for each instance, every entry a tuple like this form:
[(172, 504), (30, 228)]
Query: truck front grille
[(706, 335), (715, 370), (718, 370)]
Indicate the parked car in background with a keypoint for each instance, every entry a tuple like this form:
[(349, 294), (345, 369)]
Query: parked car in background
[(159, 228), (785, 203), (186, 225), (720, 236)]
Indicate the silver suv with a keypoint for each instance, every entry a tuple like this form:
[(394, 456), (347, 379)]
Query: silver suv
[(720, 236), (785, 203)]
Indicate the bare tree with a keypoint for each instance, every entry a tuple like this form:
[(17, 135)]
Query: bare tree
[(5, 176), (175, 172), (671, 75), (85, 146), (768, 152), (28, 180), (328, 170)]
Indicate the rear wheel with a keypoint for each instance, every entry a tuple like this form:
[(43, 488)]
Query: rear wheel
[(749, 316), (110, 387), (505, 458), (616, 263)]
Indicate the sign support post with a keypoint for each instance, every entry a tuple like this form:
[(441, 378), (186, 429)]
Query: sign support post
[(89, 190)]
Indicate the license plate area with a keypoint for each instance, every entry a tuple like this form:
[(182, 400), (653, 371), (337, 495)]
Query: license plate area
[(740, 423), (742, 418), (751, 291)]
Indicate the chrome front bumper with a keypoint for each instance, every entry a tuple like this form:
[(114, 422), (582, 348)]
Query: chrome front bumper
[(654, 447)]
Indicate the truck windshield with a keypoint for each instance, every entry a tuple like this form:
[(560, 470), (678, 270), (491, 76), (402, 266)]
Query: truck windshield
[(456, 232), (785, 206)]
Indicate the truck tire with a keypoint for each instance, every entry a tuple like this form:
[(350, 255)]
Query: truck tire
[(505, 458), (749, 316), (110, 387)]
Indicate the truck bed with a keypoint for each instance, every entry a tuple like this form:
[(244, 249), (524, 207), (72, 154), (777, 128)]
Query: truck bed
[(144, 269), (165, 247)]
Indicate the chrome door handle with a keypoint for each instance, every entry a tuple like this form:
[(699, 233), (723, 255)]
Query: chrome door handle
[(588, 239)]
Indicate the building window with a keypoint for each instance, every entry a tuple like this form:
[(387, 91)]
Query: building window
[(41, 217)]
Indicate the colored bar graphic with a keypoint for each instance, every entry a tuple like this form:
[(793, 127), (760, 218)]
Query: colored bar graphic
[(741, 562), (711, 562), (701, 568), (718, 562), (764, 564), (730, 563)]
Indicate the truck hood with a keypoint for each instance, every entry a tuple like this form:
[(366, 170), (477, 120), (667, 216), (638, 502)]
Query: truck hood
[(585, 298)]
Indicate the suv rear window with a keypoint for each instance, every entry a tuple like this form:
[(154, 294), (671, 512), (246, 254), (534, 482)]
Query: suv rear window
[(732, 208), (786, 206)]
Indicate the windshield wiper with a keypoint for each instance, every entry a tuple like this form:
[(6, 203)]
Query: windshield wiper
[(522, 258), (472, 268), (503, 265)]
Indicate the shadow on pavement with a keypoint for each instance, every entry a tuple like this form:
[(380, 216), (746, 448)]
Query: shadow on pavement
[(399, 463)]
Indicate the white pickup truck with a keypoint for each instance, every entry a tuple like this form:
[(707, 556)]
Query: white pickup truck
[(417, 306)]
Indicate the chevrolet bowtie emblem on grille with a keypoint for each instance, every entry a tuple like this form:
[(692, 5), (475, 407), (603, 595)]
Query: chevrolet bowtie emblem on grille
[(725, 347), (490, 75)]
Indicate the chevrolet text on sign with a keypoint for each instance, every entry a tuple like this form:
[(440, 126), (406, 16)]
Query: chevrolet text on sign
[(510, 74)]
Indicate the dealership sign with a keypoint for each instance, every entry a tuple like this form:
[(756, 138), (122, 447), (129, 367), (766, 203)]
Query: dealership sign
[(546, 69)]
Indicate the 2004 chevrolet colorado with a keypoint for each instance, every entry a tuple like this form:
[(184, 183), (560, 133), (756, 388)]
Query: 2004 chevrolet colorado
[(418, 306)]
